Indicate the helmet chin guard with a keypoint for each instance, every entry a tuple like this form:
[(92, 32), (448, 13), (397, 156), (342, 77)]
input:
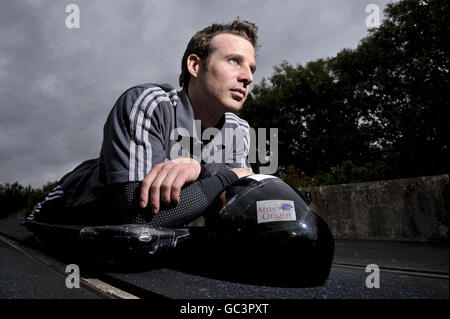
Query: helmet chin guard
[(265, 222)]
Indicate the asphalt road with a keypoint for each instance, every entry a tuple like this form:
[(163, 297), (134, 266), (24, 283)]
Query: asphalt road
[(407, 271)]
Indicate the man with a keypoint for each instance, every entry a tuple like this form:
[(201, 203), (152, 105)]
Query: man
[(148, 171)]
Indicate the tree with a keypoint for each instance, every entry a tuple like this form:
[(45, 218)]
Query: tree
[(399, 77), (379, 111), (304, 103), (14, 197)]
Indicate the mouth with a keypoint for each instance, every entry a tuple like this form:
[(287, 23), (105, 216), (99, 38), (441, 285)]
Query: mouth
[(238, 93)]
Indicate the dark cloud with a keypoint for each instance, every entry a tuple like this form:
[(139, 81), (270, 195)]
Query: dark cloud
[(57, 85)]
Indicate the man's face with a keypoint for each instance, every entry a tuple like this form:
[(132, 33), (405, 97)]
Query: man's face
[(228, 73)]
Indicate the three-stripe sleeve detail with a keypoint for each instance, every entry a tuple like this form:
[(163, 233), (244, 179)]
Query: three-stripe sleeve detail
[(233, 119), (140, 160), (56, 192)]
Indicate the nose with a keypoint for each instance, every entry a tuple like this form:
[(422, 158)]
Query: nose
[(245, 76)]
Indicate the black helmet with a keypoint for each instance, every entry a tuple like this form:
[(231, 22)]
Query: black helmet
[(263, 220)]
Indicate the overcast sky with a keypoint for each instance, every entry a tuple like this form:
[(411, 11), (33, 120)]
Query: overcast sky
[(57, 85)]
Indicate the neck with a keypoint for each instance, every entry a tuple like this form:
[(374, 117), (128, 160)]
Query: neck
[(203, 111)]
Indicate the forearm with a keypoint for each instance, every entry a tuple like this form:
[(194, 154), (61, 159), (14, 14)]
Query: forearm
[(209, 169), (194, 200)]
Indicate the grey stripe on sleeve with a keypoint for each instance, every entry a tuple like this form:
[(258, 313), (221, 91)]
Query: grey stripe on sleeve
[(134, 110), (145, 158), (140, 122), (234, 119)]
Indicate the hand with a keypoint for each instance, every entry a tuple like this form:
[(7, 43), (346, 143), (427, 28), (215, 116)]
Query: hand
[(242, 172), (165, 181)]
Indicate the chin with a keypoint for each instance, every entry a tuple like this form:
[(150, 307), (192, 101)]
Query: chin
[(233, 109), (233, 105)]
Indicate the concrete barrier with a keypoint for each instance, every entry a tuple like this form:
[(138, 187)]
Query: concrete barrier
[(413, 209)]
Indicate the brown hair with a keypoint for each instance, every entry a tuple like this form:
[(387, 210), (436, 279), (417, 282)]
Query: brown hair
[(200, 44)]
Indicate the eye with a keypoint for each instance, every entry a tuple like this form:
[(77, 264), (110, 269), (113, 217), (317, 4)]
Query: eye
[(233, 61)]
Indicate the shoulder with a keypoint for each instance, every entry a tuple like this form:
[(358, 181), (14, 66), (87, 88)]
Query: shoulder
[(232, 120), (149, 95), (163, 92)]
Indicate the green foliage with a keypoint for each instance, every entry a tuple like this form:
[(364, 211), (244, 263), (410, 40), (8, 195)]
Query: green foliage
[(344, 173), (296, 178), (14, 197), (379, 111), (399, 78)]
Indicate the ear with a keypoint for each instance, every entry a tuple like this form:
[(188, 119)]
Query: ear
[(193, 65)]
